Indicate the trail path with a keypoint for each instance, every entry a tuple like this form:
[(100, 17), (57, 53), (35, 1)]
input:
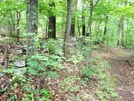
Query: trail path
[(122, 71)]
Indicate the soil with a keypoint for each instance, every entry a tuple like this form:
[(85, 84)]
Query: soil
[(122, 69)]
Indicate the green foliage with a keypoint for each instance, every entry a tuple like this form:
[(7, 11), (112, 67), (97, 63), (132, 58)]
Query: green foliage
[(76, 59), (94, 67), (54, 46), (1, 74), (87, 72), (107, 83), (42, 62), (45, 64), (38, 66), (68, 84), (12, 98), (29, 97)]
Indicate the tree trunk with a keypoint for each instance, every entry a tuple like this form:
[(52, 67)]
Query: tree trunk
[(52, 22), (73, 20), (83, 20), (68, 26), (120, 27), (72, 33), (92, 6), (12, 26), (97, 28), (32, 26), (78, 25), (118, 32), (122, 42), (105, 29), (90, 20), (18, 25)]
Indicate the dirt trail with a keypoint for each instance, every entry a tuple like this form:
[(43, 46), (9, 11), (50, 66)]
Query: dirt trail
[(122, 71)]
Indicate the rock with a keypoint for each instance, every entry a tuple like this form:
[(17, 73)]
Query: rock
[(20, 63)]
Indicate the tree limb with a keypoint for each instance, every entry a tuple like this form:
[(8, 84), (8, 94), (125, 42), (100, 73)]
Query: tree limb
[(3, 18), (96, 3)]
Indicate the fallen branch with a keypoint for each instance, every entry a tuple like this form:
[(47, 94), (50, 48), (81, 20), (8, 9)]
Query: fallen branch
[(129, 63), (4, 84)]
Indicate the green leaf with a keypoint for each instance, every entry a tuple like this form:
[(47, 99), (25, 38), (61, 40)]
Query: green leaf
[(114, 94), (1, 74), (32, 71), (32, 63), (53, 75)]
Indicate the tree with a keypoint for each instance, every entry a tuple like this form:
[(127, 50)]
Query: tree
[(32, 26), (68, 26), (12, 13), (89, 27), (73, 19), (52, 21), (83, 20), (120, 28), (105, 28)]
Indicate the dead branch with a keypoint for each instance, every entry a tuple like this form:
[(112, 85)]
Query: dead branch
[(129, 63), (4, 79)]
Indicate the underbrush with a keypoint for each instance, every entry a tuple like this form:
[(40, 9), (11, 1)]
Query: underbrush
[(85, 77), (91, 67)]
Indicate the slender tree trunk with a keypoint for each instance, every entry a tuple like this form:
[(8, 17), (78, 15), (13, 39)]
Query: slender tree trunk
[(105, 29), (120, 27), (126, 39), (46, 31), (90, 20), (83, 20), (32, 26), (73, 28), (12, 25), (73, 20), (52, 22), (89, 27), (10, 28), (122, 42), (78, 24), (18, 25), (97, 28), (62, 25), (68, 26), (118, 32)]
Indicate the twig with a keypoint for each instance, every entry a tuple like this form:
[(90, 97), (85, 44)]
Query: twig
[(129, 63)]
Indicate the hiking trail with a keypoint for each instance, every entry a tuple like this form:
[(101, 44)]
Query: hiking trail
[(122, 71)]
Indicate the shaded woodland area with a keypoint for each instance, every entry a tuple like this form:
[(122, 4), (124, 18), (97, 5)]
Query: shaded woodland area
[(66, 50)]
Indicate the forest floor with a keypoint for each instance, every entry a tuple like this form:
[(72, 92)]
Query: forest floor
[(70, 86), (122, 68)]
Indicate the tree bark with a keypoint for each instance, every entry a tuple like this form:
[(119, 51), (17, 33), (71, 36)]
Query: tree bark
[(12, 26), (105, 29), (52, 22), (118, 32), (68, 26), (120, 27), (122, 42), (73, 20), (92, 6), (18, 25), (83, 20), (90, 20), (32, 26)]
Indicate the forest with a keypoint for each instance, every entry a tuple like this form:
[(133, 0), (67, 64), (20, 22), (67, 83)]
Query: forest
[(66, 50)]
